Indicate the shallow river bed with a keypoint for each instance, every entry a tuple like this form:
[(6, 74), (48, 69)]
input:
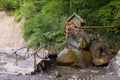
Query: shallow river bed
[(56, 72)]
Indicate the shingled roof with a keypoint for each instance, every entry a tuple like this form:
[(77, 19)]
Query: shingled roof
[(75, 15), (77, 20)]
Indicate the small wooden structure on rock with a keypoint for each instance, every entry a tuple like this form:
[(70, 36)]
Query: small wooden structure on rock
[(74, 21), (78, 21)]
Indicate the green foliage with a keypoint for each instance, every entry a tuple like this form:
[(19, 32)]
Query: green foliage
[(9, 6), (45, 26), (44, 18), (27, 9), (110, 15)]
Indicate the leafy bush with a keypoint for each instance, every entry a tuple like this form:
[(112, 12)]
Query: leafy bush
[(44, 21), (9, 6), (44, 18)]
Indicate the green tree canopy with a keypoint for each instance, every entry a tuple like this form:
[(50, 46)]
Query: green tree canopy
[(44, 18)]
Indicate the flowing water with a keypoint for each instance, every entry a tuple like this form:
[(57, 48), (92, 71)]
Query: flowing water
[(10, 32)]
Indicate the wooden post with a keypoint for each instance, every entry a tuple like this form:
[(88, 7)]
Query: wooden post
[(26, 53), (16, 62), (66, 37), (35, 63)]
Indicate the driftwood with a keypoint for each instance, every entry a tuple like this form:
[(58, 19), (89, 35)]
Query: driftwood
[(39, 60), (15, 53), (35, 54), (20, 49), (45, 60), (26, 53)]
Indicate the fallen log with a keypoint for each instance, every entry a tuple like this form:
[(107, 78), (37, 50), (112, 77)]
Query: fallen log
[(93, 27), (27, 51), (24, 57)]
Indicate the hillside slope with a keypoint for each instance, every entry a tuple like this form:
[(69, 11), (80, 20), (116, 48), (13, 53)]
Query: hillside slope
[(10, 32)]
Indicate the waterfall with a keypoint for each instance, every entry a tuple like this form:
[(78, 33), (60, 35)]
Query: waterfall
[(10, 32)]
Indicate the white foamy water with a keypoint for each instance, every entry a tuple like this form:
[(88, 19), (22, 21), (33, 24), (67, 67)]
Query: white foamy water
[(10, 32)]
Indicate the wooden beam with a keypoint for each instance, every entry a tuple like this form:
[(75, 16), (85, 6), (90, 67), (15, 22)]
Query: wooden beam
[(92, 27)]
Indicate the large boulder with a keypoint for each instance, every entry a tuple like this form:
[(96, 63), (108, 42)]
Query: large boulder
[(75, 58), (68, 56)]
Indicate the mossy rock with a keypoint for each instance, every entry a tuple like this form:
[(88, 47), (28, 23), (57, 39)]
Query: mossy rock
[(77, 58), (66, 56), (87, 58)]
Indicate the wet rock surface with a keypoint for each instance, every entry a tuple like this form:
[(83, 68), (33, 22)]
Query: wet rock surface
[(116, 64), (65, 73)]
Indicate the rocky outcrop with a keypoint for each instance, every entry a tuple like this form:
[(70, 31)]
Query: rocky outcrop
[(69, 56), (72, 54), (80, 59)]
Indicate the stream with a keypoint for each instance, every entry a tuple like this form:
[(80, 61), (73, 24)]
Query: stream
[(56, 72)]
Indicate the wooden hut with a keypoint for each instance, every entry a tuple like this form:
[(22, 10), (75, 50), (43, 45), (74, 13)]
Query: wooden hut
[(72, 22), (77, 20)]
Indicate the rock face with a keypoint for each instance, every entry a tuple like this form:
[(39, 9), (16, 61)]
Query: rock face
[(74, 53), (69, 56), (10, 32), (78, 41), (80, 59), (100, 61), (116, 64)]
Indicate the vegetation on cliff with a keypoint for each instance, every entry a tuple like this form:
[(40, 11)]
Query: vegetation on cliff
[(44, 18)]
